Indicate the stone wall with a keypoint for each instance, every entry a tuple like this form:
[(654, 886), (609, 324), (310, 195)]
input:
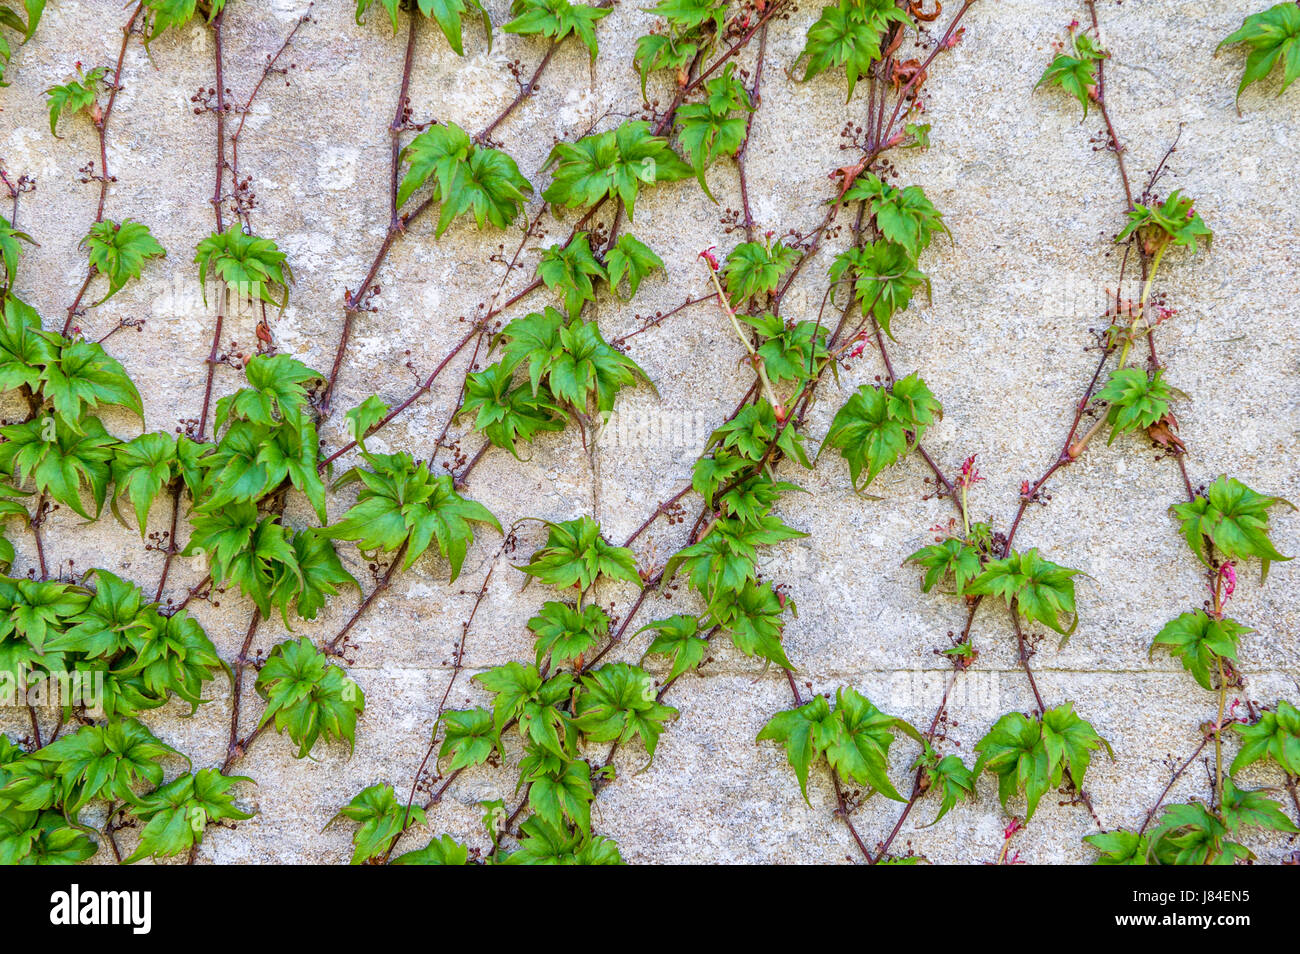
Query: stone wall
[(1032, 203)]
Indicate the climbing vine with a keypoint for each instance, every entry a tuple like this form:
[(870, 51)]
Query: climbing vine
[(249, 488)]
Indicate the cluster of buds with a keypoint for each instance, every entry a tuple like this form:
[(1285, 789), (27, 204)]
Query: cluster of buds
[(970, 475)]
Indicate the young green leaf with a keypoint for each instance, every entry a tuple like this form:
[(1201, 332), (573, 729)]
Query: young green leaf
[(1272, 36), (1275, 736), (1075, 71), (753, 616), (468, 738), (1200, 641), (1039, 589), (612, 164), (849, 34), (442, 850), (884, 276), (904, 216), (467, 177), (617, 702), (380, 818), (571, 270), (755, 268), (402, 502), (717, 126), (575, 554), (556, 19), (567, 633), (953, 559), (1120, 847), (1230, 516), (875, 427), (677, 638), (81, 375), (60, 460), (307, 697), (73, 96), (176, 814), (1136, 400), (246, 264), (1176, 222), (1032, 755), (632, 259)]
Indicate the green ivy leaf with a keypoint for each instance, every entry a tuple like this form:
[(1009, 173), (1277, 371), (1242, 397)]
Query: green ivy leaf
[(715, 127), (754, 268), (380, 818), (952, 559), (720, 564), (618, 701), (81, 374), (246, 263), (567, 633), (467, 177), (1120, 847), (788, 350), (556, 19), (884, 277), (571, 271), (753, 429), (60, 460), (404, 502), (677, 637), (307, 697), (468, 738), (849, 34), (119, 251), (571, 357), (754, 617), (443, 850), (539, 705), (10, 250), (246, 549), (612, 164), (950, 776), (276, 392), (1231, 516), (1275, 736), (1272, 36), (1175, 221), (1031, 755), (905, 216), (505, 413), (875, 427), (1076, 71), (315, 573), (1136, 400), (73, 96), (168, 655), (1200, 641), (1252, 807), (177, 13), (177, 813), (141, 468), (42, 838), (542, 843), (1189, 834), (364, 417), (106, 762), (632, 259), (24, 349), (575, 554), (1039, 589)]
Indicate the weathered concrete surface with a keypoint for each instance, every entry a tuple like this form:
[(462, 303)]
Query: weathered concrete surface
[(1032, 204)]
